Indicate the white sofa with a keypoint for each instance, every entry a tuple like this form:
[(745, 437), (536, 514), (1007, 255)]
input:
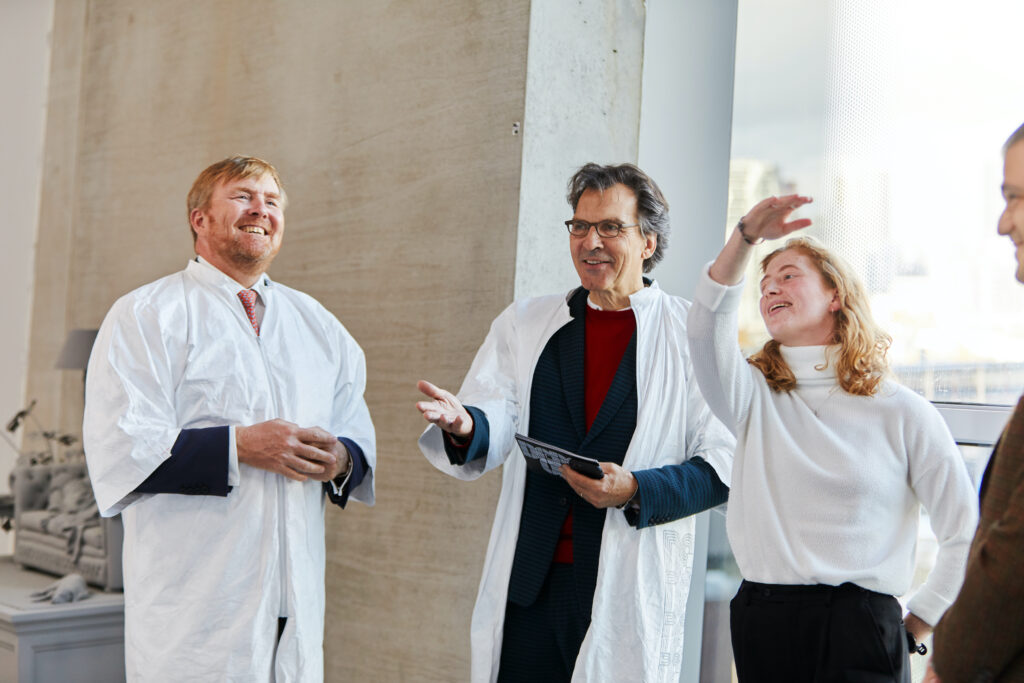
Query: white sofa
[(58, 529)]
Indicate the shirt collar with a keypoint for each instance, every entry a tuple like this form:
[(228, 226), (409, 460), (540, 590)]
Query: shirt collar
[(642, 297), (211, 275), (594, 307)]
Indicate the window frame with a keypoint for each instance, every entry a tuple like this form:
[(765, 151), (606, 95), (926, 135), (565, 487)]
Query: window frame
[(974, 424)]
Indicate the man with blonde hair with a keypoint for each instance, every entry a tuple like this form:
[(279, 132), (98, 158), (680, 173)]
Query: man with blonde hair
[(222, 409)]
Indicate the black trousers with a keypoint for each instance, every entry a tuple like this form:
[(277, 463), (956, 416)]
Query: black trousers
[(817, 634), (541, 641)]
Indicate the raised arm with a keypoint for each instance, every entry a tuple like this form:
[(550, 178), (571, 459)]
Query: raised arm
[(767, 220), (721, 370)]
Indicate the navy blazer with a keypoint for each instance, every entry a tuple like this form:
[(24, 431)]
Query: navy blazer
[(557, 416)]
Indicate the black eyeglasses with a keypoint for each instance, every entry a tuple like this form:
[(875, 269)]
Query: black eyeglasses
[(607, 229)]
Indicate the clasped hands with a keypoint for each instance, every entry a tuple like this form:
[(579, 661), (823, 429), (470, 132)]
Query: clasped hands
[(447, 412), (295, 452)]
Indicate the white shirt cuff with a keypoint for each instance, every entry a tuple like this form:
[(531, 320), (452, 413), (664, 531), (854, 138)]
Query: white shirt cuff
[(233, 475)]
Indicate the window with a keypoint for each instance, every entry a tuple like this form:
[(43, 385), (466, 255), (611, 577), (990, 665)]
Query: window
[(892, 116)]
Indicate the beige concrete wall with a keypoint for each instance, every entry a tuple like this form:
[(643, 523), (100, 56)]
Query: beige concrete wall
[(59, 393), (391, 124), (24, 72)]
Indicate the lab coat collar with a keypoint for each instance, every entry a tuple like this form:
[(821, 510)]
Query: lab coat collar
[(642, 298), (645, 296), (209, 274)]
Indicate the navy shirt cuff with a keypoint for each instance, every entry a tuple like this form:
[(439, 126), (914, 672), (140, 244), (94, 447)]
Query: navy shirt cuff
[(668, 493), (359, 470), (477, 446)]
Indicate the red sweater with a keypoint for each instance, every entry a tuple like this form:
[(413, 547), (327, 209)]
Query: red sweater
[(606, 338)]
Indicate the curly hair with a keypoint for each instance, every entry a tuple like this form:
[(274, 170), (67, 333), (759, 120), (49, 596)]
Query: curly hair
[(861, 364)]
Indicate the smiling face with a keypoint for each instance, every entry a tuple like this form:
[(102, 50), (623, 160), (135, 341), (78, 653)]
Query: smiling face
[(1011, 222), (240, 229), (797, 305), (610, 268)]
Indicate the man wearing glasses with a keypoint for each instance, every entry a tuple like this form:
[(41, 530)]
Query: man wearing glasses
[(587, 579)]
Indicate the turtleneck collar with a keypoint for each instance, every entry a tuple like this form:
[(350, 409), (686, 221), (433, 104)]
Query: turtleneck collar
[(806, 363)]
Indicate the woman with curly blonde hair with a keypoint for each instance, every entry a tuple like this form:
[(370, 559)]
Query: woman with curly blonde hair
[(833, 462), (860, 363)]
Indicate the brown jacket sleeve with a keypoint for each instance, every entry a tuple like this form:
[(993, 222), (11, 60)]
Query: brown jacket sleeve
[(981, 636)]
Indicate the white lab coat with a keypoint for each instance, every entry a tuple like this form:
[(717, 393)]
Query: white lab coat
[(636, 632), (206, 577)]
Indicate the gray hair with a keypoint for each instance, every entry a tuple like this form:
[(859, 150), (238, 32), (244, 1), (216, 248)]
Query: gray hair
[(1015, 137), (651, 207)]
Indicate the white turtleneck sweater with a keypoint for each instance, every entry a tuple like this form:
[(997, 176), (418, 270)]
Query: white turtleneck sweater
[(826, 485)]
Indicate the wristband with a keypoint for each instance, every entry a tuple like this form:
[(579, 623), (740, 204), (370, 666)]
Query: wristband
[(739, 227)]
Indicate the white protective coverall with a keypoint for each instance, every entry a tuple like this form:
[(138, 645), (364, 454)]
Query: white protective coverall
[(206, 577), (636, 629)]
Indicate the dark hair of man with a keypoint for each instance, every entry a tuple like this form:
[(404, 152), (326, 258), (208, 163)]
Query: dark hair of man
[(1015, 137), (651, 207)]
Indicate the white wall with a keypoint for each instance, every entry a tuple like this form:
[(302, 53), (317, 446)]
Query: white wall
[(24, 76)]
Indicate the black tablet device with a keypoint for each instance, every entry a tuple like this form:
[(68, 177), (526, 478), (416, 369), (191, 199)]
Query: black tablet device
[(547, 458)]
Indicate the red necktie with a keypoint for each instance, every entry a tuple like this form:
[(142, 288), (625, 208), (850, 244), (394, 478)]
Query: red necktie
[(248, 298)]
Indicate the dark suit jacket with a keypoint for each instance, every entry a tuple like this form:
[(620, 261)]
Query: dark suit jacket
[(981, 636), (557, 417)]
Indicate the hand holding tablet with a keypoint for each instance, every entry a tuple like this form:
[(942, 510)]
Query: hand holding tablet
[(547, 458)]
